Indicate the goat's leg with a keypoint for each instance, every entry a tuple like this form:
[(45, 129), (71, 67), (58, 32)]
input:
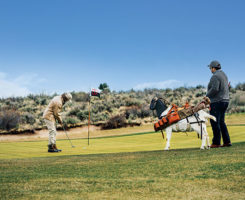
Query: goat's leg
[(168, 137), (205, 139), (208, 142), (197, 128), (207, 136), (204, 136)]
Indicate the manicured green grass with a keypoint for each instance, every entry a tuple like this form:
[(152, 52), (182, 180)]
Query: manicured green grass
[(178, 174), (132, 166), (128, 143), (238, 118)]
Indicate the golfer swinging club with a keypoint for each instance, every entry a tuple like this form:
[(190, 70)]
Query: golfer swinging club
[(51, 114)]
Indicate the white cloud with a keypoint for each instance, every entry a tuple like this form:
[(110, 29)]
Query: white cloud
[(10, 89), (159, 85), (2, 75), (28, 79), (19, 86)]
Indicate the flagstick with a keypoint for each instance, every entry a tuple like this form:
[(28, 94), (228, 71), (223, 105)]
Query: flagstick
[(89, 118), (93, 92)]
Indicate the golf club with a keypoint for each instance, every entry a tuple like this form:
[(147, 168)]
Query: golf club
[(68, 137)]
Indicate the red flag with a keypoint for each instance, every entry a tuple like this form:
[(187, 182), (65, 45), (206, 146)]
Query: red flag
[(95, 92)]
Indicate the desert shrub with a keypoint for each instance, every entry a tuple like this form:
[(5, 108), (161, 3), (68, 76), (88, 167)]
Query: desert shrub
[(117, 121), (144, 111), (39, 116), (16, 99), (131, 113), (200, 87), (132, 95), (238, 100), (9, 119), (134, 113), (98, 107), (167, 94), (11, 104), (189, 99), (168, 90), (200, 94), (106, 91), (33, 97), (82, 115), (132, 102), (233, 90), (70, 120), (240, 86), (43, 102), (115, 103), (109, 108), (40, 99), (237, 104), (74, 111), (80, 96), (235, 109), (242, 109), (99, 117), (181, 89), (30, 109), (28, 118)]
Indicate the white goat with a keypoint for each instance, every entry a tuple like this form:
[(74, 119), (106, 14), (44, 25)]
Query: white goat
[(197, 123)]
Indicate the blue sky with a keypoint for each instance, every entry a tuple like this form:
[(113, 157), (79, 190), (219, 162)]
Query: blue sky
[(49, 46)]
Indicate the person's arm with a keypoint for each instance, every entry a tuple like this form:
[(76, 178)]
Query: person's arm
[(57, 109), (214, 85)]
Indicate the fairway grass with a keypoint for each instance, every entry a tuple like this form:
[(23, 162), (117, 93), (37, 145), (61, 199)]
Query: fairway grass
[(130, 166), (177, 174), (148, 141)]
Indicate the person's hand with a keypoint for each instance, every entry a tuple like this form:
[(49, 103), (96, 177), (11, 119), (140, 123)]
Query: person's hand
[(61, 123), (206, 101)]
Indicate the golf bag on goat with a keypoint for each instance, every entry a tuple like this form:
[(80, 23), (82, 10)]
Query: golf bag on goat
[(175, 113)]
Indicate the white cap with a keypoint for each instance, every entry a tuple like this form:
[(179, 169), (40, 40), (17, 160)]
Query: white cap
[(68, 96)]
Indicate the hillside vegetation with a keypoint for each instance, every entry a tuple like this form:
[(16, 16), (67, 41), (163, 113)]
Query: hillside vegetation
[(111, 110)]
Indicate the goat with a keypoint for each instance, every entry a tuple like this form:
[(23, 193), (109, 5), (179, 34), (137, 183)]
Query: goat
[(196, 122)]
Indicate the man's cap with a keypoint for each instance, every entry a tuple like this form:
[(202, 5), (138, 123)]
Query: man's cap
[(68, 96), (215, 64)]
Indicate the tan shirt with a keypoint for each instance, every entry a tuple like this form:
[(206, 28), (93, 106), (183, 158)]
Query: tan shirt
[(52, 112)]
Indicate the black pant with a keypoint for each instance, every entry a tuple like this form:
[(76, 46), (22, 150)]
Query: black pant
[(218, 110)]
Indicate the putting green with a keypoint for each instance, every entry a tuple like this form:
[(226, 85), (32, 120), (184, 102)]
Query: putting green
[(126, 143)]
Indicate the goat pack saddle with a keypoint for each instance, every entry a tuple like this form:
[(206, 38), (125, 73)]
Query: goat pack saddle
[(176, 113)]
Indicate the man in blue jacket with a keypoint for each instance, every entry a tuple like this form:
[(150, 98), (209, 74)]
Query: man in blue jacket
[(218, 92)]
